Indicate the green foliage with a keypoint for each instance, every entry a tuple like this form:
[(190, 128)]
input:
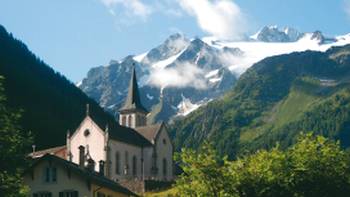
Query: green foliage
[(13, 147), (313, 167), (204, 174)]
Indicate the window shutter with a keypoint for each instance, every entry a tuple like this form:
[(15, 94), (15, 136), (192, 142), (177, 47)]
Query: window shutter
[(60, 194), (75, 194)]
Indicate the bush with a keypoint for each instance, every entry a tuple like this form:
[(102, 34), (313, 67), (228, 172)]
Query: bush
[(314, 166)]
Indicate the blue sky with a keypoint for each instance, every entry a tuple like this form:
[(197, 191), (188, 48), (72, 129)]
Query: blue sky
[(74, 35)]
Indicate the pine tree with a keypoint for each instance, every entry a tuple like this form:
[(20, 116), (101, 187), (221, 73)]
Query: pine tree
[(13, 146)]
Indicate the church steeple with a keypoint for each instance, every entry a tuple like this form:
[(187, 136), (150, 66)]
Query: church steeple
[(132, 113)]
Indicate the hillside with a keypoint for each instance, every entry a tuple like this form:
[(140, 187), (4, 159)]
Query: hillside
[(273, 101), (51, 104)]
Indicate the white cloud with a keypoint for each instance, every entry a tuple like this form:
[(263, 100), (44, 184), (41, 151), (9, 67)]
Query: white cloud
[(182, 75), (347, 7), (130, 8), (221, 18)]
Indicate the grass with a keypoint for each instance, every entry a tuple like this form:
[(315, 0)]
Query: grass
[(301, 97)]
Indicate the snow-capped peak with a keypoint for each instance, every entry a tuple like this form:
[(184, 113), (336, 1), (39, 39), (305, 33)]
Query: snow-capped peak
[(274, 34)]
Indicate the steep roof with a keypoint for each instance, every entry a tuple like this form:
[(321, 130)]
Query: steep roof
[(150, 132), (133, 101), (92, 176), (119, 132)]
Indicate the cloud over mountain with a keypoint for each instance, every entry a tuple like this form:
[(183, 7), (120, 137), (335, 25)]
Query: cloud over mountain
[(221, 18), (183, 75)]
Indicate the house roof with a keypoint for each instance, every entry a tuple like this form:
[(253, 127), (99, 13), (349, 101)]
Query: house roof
[(92, 176), (53, 151), (133, 101), (118, 132), (150, 132)]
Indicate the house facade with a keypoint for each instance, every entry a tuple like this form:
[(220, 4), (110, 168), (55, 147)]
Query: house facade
[(52, 176)]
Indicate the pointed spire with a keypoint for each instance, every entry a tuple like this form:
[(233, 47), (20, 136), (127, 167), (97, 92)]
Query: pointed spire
[(133, 101), (87, 109)]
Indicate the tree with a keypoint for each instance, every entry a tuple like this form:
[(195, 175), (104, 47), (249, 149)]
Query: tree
[(314, 166), (204, 173), (13, 146), (317, 167)]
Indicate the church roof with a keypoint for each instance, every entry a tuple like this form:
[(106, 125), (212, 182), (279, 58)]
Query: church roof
[(133, 101), (119, 132), (150, 132), (92, 176)]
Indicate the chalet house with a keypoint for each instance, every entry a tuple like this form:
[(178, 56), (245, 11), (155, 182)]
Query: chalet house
[(52, 176)]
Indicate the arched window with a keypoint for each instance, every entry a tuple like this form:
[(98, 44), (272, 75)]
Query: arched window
[(117, 163), (165, 166), (130, 120), (134, 165), (123, 120), (126, 166)]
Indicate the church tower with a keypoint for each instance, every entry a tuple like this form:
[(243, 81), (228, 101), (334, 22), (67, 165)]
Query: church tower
[(133, 114)]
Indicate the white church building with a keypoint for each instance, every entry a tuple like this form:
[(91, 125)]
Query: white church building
[(129, 152)]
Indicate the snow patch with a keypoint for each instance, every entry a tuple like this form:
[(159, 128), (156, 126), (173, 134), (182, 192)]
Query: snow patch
[(162, 64), (215, 80), (212, 73), (79, 84), (185, 107), (111, 106), (256, 51), (150, 97), (140, 57)]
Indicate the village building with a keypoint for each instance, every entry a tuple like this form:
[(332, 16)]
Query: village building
[(52, 176)]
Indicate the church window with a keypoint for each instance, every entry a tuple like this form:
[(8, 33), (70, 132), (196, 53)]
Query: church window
[(130, 120), (154, 168), (123, 120), (165, 166), (117, 163), (86, 132), (134, 165), (164, 141), (126, 166)]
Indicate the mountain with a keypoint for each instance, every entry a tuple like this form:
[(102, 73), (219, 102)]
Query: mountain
[(274, 34), (273, 101), (50, 103), (176, 71), (182, 74)]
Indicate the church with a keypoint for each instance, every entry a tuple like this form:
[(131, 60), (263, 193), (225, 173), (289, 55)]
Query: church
[(130, 152), (136, 151)]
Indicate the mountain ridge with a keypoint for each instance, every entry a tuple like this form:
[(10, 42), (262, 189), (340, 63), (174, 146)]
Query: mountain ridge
[(273, 101), (184, 65)]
